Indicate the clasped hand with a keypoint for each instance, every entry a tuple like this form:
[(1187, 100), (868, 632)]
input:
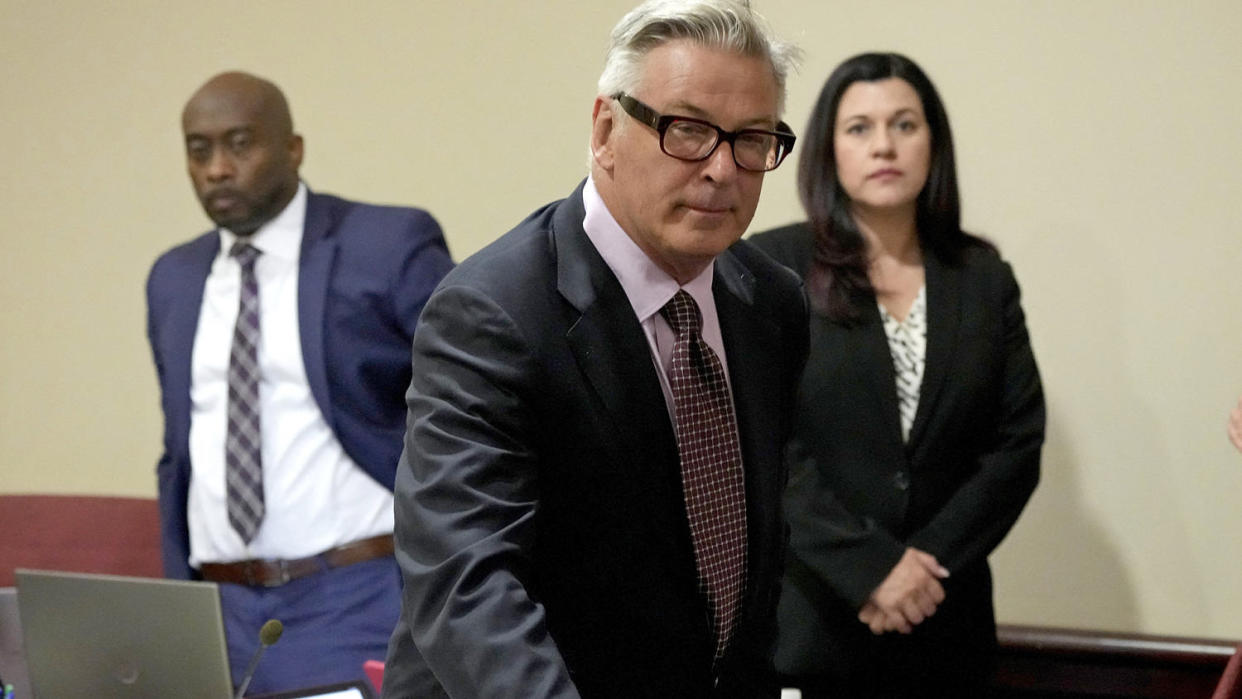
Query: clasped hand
[(909, 594)]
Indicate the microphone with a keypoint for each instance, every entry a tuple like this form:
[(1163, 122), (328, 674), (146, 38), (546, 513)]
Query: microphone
[(269, 634)]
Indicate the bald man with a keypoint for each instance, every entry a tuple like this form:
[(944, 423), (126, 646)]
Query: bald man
[(282, 345)]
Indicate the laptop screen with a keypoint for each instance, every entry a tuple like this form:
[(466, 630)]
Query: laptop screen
[(91, 635)]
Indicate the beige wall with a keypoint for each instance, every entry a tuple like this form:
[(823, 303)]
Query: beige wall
[(1099, 145)]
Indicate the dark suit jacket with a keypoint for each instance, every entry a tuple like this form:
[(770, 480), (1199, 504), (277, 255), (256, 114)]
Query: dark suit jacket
[(541, 526), (858, 496), (364, 274)]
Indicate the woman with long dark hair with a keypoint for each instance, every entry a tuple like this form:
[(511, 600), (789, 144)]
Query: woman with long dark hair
[(921, 411)]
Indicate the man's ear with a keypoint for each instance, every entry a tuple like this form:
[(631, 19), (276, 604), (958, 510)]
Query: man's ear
[(603, 130), (295, 150)]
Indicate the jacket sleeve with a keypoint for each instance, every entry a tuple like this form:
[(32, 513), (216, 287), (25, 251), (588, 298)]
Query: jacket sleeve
[(466, 493), (172, 482), (851, 554), (424, 262), (980, 513)]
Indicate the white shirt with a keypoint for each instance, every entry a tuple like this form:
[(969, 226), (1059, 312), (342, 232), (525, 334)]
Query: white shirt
[(649, 288), (316, 497)]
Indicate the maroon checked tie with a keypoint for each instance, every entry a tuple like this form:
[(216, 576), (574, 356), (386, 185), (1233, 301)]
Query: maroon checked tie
[(711, 465), (243, 465)]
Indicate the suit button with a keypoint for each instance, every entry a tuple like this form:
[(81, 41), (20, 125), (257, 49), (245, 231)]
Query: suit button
[(901, 480)]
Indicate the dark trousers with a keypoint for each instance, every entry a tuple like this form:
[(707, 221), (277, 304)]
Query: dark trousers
[(815, 688), (897, 682), (333, 622), (902, 667)]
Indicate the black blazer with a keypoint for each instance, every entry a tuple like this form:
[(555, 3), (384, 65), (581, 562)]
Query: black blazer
[(858, 496), (541, 527)]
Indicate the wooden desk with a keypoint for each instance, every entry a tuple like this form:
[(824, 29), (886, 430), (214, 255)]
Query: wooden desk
[(1042, 663)]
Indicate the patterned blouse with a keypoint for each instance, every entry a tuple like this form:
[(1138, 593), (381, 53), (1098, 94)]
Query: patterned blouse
[(907, 342)]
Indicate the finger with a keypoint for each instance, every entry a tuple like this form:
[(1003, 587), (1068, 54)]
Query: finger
[(935, 591), (867, 613), (898, 623), (913, 612), (925, 603), (931, 564), (888, 595)]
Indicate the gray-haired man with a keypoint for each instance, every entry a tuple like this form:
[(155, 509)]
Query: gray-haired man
[(588, 504)]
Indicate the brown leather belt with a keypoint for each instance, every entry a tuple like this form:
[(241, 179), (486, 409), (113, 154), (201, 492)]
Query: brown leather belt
[(274, 572)]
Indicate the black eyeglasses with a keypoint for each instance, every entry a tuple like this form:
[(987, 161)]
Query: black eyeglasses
[(687, 138)]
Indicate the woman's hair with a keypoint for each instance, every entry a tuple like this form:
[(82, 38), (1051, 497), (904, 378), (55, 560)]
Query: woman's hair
[(837, 282)]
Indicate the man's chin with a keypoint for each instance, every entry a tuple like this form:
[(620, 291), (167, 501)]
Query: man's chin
[(694, 255), (704, 234), (234, 224)]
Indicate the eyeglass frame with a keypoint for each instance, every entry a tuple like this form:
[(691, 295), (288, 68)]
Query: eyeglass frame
[(660, 122)]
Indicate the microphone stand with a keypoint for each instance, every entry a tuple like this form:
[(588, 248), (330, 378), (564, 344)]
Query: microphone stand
[(269, 634)]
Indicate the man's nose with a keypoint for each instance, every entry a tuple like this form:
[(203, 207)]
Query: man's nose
[(219, 165), (720, 165)]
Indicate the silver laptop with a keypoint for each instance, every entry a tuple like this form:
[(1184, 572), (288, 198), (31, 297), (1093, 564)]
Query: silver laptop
[(89, 635), (12, 653)]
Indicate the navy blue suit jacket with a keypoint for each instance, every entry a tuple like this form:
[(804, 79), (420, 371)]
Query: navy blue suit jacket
[(364, 274), (541, 524)]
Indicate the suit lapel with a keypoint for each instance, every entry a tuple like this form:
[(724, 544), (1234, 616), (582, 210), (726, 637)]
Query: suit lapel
[(187, 306), (614, 359), (747, 335), (750, 339), (877, 364), (608, 342), (314, 270), (943, 320)]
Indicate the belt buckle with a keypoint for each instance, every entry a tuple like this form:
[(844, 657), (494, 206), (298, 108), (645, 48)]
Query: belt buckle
[(284, 577), (255, 573)]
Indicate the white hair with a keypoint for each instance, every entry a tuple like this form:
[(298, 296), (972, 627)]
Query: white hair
[(728, 25)]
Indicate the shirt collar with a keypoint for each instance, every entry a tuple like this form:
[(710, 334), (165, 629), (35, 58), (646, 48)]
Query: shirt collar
[(280, 237), (647, 286)]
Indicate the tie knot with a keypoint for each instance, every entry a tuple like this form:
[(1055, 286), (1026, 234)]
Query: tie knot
[(682, 313), (244, 252)]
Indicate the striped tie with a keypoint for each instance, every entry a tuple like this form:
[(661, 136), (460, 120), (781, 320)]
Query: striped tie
[(243, 462), (711, 466)]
